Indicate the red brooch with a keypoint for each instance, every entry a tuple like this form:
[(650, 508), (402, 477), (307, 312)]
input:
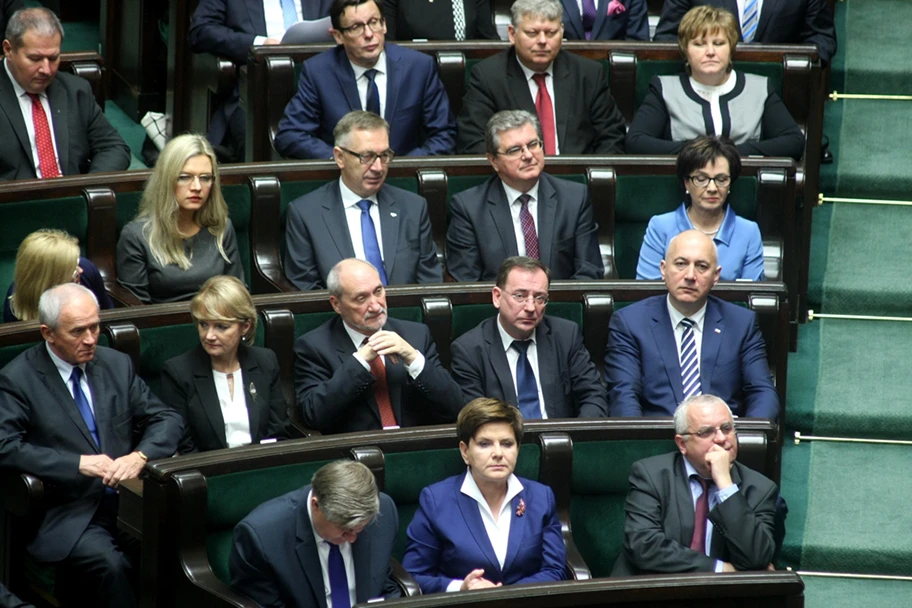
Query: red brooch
[(521, 509)]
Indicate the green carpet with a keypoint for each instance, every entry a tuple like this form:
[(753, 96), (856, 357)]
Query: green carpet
[(133, 133), (794, 488), (845, 593), (877, 58), (803, 378)]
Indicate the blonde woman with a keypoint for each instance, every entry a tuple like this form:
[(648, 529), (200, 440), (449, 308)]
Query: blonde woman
[(47, 258), (181, 235)]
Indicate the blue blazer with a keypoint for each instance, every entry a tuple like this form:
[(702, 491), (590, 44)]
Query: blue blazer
[(417, 107), (447, 538), (632, 24), (643, 371)]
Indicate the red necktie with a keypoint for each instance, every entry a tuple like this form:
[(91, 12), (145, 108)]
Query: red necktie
[(381, 391), (527, 223), (698, 541), (545, 112), (47, 160)]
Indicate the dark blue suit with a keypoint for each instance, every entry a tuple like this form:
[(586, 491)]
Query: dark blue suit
[(632, 24), (643, 370), (417, 107), (447, 538)]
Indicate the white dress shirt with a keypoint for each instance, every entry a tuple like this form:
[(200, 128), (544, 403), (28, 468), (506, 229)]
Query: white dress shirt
[(712, 94), (515, 207), (66, 370), (678, 328), (513, 359), (533, 90), (275, 20), (234, 410), (350, 202), (357, 338), (715, 498), (379, 79), (25, 106), (323, 552)]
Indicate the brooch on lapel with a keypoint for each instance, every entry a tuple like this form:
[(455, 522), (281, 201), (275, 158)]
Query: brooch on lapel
[(521, 509)]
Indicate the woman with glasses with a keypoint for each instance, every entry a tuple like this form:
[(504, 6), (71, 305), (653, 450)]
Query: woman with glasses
[(707, 166), (227, 390), (182, 234), (47, 258), (712, 98)]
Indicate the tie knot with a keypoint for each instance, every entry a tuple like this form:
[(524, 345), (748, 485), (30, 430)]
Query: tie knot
[(34, 97), (76, 375), (704, 483), (364, 205), (540, 79), (370, 74), (524, 199), (687, 323), (521, 345)]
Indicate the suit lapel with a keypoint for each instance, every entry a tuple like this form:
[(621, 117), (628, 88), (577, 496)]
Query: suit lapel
[(345, 349), (9, 105), (518, 86), (101, 407), (517, 531), (336, 225), (601, 17), (389, 229), (470, 513), (547, 361), (256, 15), (770, 8), (253, 377), (572, 13), (684, 500), (306, 550), (499, 208), (499, 363), (346, 77), (547, 211), (393, 82), (57, 99), (665, 342), (713, 330), (204, 384), (562, 84), (361, 556)]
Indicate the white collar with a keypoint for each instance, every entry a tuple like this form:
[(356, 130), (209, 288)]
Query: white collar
[(380, 66), (471, 489), (349, 197), (506, 338), (677, 316)]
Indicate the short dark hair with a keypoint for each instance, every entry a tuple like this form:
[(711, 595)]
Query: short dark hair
[(484, 410), (338, 7), (523, 263), (701, 151)]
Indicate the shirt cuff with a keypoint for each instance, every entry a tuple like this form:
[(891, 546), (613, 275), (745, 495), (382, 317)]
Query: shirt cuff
[(455, 585), (259, 40), (723, 495), (720, 565), (416, 367), (361, 360)]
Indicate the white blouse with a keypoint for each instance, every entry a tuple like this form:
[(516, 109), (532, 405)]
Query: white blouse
[(234, 411), (712, 94)]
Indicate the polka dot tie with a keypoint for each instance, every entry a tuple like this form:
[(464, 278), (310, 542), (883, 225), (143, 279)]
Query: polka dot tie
[(47, 160)]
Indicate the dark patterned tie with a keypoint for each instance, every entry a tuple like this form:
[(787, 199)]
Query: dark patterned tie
[(373, 93), (47, 160), (527, 223), (589, 13), (690, 363), (698, 541)]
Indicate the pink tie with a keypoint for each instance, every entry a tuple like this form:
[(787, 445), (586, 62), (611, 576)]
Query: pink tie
[(698, 541), (545, 112), (47, 160)]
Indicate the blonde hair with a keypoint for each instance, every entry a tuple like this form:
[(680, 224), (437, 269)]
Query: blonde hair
[(159, 209), (46, 258), (702, 21), (224, 298)]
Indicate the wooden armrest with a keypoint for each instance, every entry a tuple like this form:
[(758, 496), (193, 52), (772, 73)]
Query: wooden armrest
[(296, 428), (21, 493), (404, 580), (576, 565), (121, 296)]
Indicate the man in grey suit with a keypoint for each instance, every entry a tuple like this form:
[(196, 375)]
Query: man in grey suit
[(488, 362), (698, 510), (51, 121), (75, 415), (521, 211), (359, 216), (286, 548)]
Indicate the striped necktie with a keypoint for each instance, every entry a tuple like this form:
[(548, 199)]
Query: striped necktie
[(749, 19), (690, 363)]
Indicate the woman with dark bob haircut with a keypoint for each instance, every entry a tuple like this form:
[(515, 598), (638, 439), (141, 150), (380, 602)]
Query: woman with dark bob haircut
[(485, 527), (707, 167)]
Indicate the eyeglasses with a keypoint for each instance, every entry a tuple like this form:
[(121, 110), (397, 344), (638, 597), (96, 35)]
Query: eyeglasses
[(522, 298), (710, 431), (376, 24), (702, 181), (516, 151), (368, 158), (185, 179)]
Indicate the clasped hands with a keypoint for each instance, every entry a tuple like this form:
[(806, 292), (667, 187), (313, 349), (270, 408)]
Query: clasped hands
[(476, 580), (390, 345), (111, 471)]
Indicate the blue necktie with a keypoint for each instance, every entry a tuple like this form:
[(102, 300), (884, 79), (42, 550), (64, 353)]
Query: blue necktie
[(690, 365), (289, 13), (373, 93), (369, 239), (338, 581), (526, 388), (82, 404), (749, 20)]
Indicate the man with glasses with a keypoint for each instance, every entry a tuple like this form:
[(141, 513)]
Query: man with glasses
[(359, 216), (364, 73), (698, 510), (531, 360), (521, 211), (567, 92), (664, 349)]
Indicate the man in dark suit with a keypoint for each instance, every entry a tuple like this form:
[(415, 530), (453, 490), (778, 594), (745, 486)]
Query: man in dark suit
[(608, 20), (779, 22), (51, 121), (666, 348), (76, 415), (8, 600), (567, 92), (698, 510), (364, 73), (285, 548), (361, 371), (489, 361), (521, 211), (358, 216)]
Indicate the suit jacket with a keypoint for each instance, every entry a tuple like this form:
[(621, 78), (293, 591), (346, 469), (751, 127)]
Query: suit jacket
[(632, 24), (317, 237), (43, 434), (417, 108), (570, 382), (8, 600), (188, 386), (447, 538), (335, 391), (86, 141), (274, 558), (411, 19), (480, 233), (228, 27), (588, 120), (660, 521), (643, 371), (781, 22)]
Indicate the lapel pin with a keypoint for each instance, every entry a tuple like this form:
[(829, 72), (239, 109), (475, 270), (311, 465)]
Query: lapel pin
[(393, 214), (717, 330), (521, 509)]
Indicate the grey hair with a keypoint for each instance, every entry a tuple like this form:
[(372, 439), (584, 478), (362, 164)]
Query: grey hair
[(52, 301), (40, 20), (682, 412), (357, 120), (334, 283), (506, 121), (549, 10), (347, 493)]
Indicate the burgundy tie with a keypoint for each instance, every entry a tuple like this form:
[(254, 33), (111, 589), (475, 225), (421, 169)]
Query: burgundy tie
[(381, 391), (698, 541), (47, 160), (528, 227), (545, 112)]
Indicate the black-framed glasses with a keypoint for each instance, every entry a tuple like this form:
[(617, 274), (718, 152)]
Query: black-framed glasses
[(376, 24), (368, 158), (516, 151), (701, 180), (710, 431), (522, 298)]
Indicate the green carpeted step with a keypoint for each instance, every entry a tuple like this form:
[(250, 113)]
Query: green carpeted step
[(877, 58), (803, 378), (821, 217), (794, 487), (828, 592)]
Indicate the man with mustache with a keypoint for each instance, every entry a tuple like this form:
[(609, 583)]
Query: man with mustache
[(362, 371)]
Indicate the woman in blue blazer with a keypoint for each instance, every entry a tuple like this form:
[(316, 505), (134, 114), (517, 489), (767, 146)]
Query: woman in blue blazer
[(485, 527)]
